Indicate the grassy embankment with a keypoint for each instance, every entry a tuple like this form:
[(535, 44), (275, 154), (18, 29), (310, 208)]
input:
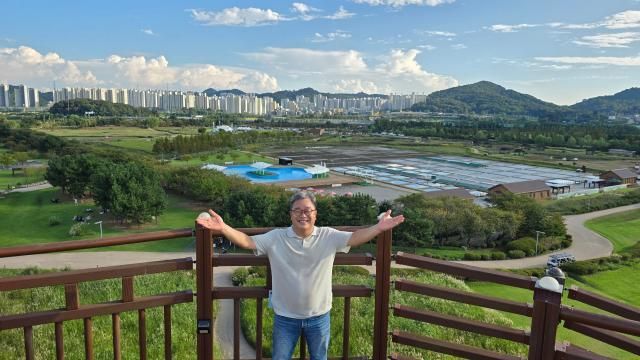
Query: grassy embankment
[(25, 220), (47, 298)]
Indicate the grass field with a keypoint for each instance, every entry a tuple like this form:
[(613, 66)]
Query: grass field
[(32, 176), (47, 298), (619, 284), (622, 229), (25, 220)]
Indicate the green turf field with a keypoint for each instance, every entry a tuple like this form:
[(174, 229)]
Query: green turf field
[(622, 229), (26, 216)]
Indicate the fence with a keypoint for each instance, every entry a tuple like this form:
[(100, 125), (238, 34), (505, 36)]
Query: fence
[(546, 312)]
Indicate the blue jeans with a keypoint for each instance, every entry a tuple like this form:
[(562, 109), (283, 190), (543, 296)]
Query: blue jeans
[(286, 332)]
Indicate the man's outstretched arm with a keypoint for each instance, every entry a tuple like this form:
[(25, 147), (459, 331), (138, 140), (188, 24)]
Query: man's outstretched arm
[(386, 223), (215, 222)]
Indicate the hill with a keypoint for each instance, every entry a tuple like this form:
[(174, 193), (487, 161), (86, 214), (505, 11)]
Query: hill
[(625, 102), (487, 98)]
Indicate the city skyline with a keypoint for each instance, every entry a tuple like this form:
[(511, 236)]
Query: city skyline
[(558, 52)]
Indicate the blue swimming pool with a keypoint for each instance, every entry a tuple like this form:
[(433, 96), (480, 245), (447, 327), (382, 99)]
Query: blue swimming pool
[(277, 173)]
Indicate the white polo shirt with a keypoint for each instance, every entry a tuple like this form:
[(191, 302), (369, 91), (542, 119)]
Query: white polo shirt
[(301, 269)]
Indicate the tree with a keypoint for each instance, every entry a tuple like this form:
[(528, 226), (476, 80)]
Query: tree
[(130, 190), (6, 159)]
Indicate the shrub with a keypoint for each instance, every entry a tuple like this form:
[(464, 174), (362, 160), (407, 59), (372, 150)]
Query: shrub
[(54, 220), (485, 257), (258, 271), (472, 256), (516, 254), (79, 229), (581, 267), (239, 276), (566, 243), (527, 245), (498, 255)]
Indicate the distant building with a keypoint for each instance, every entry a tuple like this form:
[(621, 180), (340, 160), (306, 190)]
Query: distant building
[(4, 95), (21, 96), (458, 193), (536, 189), (316, 131), (622, 152), (34, 98), (620, 176)]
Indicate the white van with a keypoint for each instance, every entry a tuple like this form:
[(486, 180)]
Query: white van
[(558, 260)]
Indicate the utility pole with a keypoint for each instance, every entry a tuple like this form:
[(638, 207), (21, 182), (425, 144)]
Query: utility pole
[(537, 239), (99, 223)]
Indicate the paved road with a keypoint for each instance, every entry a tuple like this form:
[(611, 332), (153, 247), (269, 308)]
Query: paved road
[(586, 243), (32, 188)]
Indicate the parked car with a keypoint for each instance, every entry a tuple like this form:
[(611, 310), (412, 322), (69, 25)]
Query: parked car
[(558, 260)]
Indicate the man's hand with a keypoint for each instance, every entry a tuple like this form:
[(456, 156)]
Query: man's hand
[(386, 222), (213, 222)]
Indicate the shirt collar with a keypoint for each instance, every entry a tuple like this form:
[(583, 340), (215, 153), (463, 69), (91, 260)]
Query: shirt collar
[(292, 234)]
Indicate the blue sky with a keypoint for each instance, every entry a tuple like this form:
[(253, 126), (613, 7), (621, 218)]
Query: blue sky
[(559, 51)]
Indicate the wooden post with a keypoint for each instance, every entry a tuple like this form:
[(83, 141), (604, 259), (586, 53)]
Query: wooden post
[(204, 301), (383, 276), (545, 319)]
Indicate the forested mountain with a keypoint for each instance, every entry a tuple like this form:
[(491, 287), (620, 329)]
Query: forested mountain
[(625, 102), (487, 98)]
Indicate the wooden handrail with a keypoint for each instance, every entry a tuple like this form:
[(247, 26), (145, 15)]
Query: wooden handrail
[(463, 351), (602, 303), (248, 292), (606, 336), (107, 272), (464, 297), (601, 321), (468, 271), (455, 322), (93, 243)]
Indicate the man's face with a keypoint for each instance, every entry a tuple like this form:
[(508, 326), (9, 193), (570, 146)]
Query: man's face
[(303, 215)]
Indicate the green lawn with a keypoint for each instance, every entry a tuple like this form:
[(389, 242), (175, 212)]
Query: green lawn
[(622, 229), (32, 176), (618, 284), (25, 220)]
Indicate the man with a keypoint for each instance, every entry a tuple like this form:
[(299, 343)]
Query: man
[(301, 259)]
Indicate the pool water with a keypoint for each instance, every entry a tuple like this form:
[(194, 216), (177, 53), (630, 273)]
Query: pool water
[(279, 174)]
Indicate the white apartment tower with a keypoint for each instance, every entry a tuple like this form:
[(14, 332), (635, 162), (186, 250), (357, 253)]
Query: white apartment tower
[(4, 95)]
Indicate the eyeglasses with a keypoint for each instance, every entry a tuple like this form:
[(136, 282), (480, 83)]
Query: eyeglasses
[(299, 212)]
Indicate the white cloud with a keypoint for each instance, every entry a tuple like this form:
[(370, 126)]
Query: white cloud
[(426, 47), (237, 17), (618, 40), (624, 20), (458, 46), (347, 71), (511, 28), (26, 65), (355, 86), (401, 3), (440, 33), (595, 60), (340, 14), (338, 34), (304, 10), (148, 31)]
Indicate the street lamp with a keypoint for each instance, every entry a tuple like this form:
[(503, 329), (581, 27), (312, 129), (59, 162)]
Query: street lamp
[(99, 223), (537, 237)]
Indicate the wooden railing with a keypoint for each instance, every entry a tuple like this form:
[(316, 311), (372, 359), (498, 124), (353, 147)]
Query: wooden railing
[(75, 310), (546, 312)]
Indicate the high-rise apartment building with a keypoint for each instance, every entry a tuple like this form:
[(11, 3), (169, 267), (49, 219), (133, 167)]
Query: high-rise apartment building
[(4, 95), (21, 96)]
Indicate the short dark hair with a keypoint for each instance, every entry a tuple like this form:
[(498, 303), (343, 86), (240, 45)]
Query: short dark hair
[(301, 195)]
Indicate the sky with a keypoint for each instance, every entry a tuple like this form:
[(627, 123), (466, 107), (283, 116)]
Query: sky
[(558, 51)]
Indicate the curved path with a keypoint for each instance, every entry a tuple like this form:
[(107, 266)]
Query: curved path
[(586, 243)]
